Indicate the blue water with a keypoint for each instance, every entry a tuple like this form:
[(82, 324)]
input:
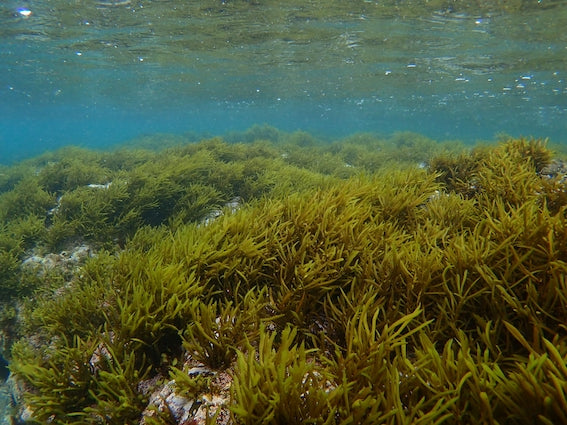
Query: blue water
[(99, 73)]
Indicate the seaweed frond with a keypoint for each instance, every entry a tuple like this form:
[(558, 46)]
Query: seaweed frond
[(279, 384), (217, 330)]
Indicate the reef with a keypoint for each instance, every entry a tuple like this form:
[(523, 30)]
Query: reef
[(284, 280)]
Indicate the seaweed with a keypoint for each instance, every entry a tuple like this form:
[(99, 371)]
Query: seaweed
[(278, 384), (216, 331), (70, 169), (401, 294), (535, 391), (58, 314), (60, 386), (83, 382), (27, 198)]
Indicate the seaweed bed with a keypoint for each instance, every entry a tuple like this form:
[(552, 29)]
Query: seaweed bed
[(277, 279)]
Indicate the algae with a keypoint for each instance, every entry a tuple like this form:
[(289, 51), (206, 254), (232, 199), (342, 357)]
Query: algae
[(431, 290)]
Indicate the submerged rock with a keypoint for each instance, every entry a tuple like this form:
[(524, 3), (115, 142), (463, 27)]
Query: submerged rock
[(166, 401), (72, 257)]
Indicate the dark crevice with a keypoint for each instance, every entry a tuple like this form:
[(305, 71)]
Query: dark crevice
[(4, 371)]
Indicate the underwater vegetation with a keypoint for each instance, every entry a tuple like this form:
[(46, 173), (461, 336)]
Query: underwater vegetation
[(58, 198), (373, 293)]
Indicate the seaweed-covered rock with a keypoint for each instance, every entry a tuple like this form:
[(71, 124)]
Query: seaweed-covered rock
[(431, 294)]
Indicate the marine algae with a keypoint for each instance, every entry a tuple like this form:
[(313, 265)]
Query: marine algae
[(399, 295)]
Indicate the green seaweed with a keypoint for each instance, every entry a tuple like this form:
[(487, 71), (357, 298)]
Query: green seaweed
[(381, 294), (57, 313), (83, 382), (278, 384), (216, 331), (60, 386), (27, 198), (72, 168)]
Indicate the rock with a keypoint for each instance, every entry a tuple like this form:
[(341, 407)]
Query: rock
[(555, 169), (182, 410), (67, 260), (165, 402)]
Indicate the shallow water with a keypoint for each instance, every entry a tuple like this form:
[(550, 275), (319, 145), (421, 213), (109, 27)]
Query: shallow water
[(95, 73)]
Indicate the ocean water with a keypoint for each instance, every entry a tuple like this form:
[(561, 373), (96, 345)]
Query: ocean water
[(96, 73)]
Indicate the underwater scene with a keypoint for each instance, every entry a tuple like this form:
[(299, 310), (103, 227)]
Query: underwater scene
[(283, 212)]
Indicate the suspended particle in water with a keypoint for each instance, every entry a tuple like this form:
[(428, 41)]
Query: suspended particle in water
[(24, 11)]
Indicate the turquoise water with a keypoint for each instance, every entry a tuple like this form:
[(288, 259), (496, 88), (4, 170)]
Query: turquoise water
[(96, 73)]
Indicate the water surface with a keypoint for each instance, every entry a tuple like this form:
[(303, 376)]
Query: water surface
[(96, 73)]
